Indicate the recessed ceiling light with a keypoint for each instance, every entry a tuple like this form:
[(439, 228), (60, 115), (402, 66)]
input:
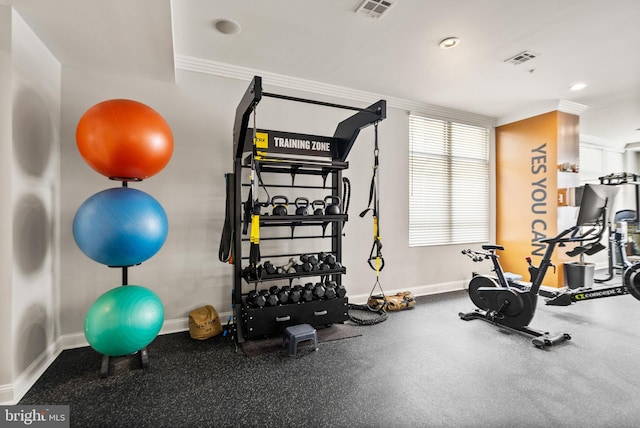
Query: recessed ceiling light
[(226, 26), (449, 42), (578, 86)]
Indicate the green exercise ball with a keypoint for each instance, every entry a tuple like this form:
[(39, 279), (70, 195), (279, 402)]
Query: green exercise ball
[(123, 320)]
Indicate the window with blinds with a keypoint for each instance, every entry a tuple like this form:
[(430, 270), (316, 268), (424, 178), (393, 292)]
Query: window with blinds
[(591, 164), (448, 182)]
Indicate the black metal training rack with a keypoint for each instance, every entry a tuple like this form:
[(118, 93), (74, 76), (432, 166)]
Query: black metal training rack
[(325, 158)]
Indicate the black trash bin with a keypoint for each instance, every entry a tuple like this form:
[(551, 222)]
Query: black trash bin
[(579, 274)]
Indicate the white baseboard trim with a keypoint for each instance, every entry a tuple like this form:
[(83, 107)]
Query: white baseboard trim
[(177, 325), (421, 290), (6, 395), (14, 392)]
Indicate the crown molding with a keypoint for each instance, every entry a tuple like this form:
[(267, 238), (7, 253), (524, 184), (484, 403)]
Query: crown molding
[(545, 107), (199, 65), (600, 143)]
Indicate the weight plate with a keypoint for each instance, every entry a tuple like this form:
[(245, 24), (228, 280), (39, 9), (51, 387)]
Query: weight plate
[(510, 302), (477, 282), (632, 280)]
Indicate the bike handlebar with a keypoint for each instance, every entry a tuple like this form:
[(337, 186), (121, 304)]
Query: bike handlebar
[(477, 256), (559, 237), (588, 235)]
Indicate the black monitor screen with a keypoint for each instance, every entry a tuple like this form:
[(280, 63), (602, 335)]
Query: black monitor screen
[(595, 197)]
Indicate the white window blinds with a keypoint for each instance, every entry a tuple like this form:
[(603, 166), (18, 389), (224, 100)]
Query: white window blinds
[(449, 182), (591, 164)]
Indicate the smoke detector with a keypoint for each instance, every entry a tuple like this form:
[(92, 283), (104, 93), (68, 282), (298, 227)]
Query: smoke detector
[(522, 57), (374, 8)]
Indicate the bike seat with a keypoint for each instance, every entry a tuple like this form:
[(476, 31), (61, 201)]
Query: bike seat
[(492, 247)]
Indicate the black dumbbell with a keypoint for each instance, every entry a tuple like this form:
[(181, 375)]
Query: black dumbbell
[(330, 290), (330, 260), (252, 273), (269, 268), (250, 297), (270, 295), (283, 294), (256, 299), (318, 290), (309, 262), (307, 293), (341, 291), (323, 266), (305, 266), (295, 295)]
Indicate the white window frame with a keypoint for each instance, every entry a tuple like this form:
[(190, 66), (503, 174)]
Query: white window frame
[(449, 182)]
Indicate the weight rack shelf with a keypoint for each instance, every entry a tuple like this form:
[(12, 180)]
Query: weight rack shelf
[(270, 152), (281, 165), (288, 220), (295, 275)]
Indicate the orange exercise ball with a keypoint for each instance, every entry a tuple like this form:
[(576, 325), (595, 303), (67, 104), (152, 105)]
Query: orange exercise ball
[(124, 140)]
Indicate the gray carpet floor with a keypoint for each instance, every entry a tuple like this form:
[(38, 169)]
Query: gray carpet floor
[(422, 367)]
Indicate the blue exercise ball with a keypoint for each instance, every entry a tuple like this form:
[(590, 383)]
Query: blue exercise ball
[(123, 320), (120, 227)]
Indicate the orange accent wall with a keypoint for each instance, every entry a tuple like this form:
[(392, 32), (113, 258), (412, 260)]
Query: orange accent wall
[(526, 188)]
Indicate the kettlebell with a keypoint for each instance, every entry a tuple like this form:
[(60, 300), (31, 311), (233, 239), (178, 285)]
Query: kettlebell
[(279, 208), (318, 207), (302, 205), (332, 208)]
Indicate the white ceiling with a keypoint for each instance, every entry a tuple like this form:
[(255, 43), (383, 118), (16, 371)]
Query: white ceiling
[(594, 41)]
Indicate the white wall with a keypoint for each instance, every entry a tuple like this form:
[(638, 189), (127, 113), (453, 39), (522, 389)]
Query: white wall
[(30, 122), (186, 273), (6, 166)]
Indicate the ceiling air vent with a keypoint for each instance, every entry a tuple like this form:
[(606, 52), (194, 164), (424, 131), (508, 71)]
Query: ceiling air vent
[(374, 8), (521, 57)]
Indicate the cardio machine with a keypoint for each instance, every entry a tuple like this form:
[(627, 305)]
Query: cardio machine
[(630, 283), (512, 304)]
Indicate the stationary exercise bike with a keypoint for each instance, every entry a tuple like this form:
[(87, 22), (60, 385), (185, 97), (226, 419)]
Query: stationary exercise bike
[(512, 304)]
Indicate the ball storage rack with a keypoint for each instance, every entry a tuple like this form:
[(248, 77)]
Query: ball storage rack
[(258, 155), (92, 132)]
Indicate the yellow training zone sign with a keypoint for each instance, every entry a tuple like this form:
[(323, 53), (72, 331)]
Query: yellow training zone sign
[(295, 144)]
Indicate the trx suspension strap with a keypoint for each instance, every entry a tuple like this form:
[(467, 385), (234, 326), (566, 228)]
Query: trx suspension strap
[(376, 261), (254, 236), (225, 252)]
